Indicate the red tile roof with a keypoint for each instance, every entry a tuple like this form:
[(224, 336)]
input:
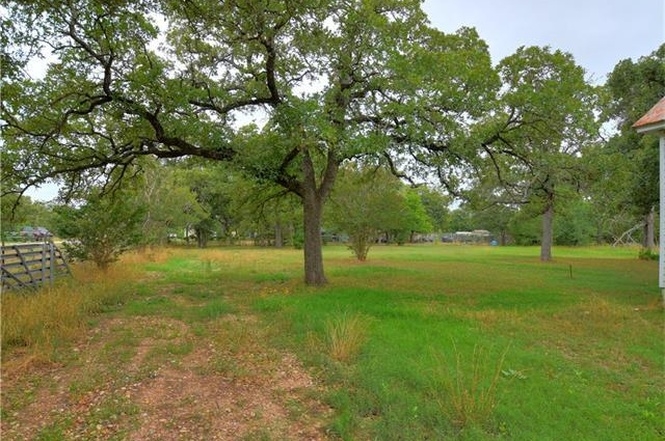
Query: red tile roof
[(654, 119)]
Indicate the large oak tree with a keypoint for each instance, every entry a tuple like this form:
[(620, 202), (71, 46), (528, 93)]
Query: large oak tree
[(285, 89)]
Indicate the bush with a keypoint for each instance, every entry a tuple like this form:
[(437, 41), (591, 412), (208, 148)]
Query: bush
[(100, 230), (648, 254)]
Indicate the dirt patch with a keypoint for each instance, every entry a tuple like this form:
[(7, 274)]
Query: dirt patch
[(267, 400), (154, 379)]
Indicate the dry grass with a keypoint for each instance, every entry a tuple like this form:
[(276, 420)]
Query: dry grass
[(37, 322), (345, 335)]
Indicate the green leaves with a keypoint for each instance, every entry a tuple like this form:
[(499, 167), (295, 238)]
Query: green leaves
[(632, 89), (343, 78), (101, 229), (370, 201)]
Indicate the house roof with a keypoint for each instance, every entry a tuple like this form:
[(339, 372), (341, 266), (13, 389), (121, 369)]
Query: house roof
[(653, 120)]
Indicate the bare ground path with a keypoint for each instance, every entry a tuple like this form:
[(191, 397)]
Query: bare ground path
[(161, 378)]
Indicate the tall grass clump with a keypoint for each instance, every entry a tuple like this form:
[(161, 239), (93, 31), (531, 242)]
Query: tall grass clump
[(345, 335), (38, 321), (465, 390)]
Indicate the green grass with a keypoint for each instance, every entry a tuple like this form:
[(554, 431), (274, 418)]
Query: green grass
[(580, 357), (418, 342)]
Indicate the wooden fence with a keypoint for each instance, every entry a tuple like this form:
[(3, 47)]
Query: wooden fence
[(30, 265)]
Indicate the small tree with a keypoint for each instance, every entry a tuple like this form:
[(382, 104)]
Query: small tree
[(168, 202), (416, 218), (365, 203), (101, 229), (436, 205)]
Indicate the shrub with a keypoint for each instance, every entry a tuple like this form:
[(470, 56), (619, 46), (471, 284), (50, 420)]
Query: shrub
[(648, 254), (100, 230)]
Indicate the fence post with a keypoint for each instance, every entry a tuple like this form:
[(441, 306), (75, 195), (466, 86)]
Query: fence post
[(52, 263), (44, 267)]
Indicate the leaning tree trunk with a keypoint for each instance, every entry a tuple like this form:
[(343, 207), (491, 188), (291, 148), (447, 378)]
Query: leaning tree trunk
[(548, 231)]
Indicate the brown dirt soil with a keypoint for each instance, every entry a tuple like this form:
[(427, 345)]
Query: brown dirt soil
[(133, 389)]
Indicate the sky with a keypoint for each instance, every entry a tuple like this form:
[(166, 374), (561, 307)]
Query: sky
[(598, 33)]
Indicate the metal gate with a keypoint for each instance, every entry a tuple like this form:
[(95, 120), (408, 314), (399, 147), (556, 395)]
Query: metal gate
[(31, 265)]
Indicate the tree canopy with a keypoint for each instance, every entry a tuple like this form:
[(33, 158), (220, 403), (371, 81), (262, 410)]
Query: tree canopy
[(284, 93), (632, 89), (287, 90)]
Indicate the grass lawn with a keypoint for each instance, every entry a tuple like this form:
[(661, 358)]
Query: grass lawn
[(418, 342)]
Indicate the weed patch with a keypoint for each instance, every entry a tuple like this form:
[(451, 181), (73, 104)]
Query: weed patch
[(40, 322), (465, 386)]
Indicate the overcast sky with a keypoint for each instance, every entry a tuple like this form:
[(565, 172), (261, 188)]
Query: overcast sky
[(598, 33)]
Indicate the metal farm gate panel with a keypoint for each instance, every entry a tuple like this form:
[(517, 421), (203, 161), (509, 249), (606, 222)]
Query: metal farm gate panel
[(31, 265)]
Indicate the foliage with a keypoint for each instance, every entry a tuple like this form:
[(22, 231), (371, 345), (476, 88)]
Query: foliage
[(285, 92), (436, 204), (607, 191), (575, 226), (415, 217), (268, 214), (101, 229), (648, 254), (365, 202), (211, 187), (169, 205), (632, 89), (550, 107), (525, 227), (368, 202), (17, 212)]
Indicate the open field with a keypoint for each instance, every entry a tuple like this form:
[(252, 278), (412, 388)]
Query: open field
[(419, 342)]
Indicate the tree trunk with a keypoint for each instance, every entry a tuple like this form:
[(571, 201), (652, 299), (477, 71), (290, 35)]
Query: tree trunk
[(548, 231), (313, 198), (649, 230), (279, 236), (313, 247), (202, 238)]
